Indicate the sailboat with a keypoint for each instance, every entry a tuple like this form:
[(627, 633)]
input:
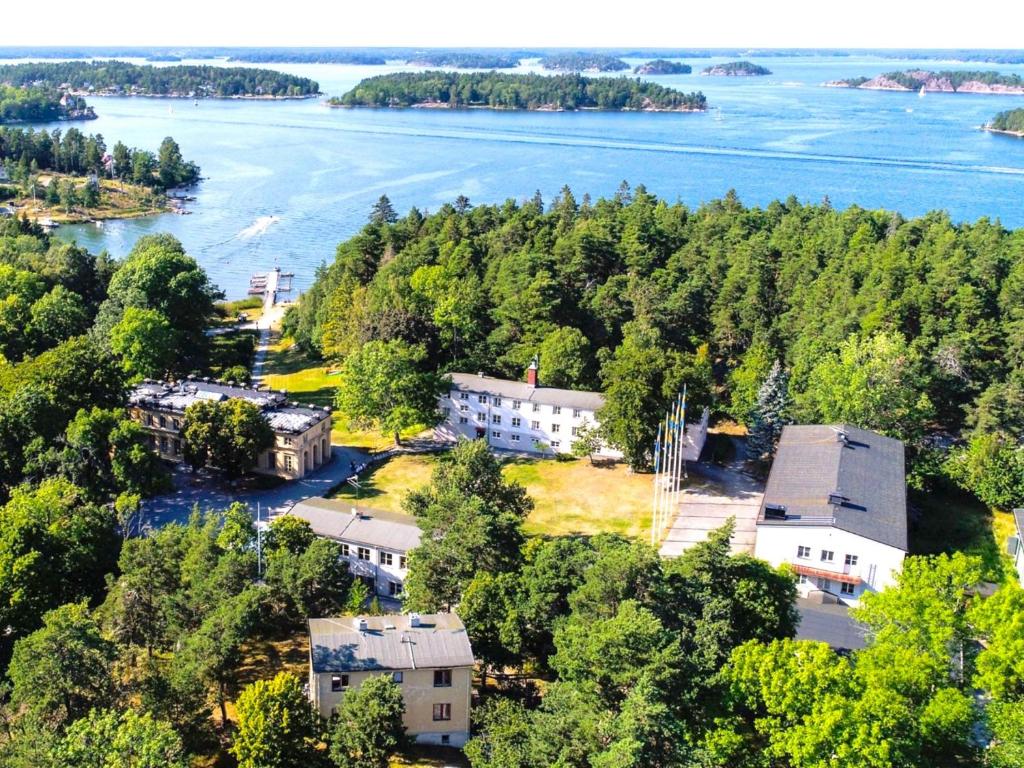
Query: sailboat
[(718, 115), (920, 94)]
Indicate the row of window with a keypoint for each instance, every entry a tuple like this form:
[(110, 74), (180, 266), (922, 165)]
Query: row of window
[(513, 437), (442, 679), (845, 588), (827, 556), (161, 421), (384, 558), (517, 404)]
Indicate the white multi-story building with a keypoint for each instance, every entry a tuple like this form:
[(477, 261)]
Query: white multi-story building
[(375, 543), (835, 510), (516, 415), (1015, 546)]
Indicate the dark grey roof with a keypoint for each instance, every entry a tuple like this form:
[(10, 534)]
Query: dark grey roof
[(389, 642), (520, 390), (830, 624), (359, 525), (865, 471), (175, 397)]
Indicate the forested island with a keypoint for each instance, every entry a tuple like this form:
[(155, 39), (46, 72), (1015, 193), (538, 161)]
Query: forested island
[(737, 69), (493, 90), (1010, 121), (40, 105), (305, 56), (583, 62), (71, 177), (119, 78), (460, 60), (663, 67), (947, 81)]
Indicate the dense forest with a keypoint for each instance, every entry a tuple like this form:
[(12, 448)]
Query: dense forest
[(1011, 121), (663, 67), (908, 326), (737, 69), (507, 91), (583, 62), (26, 152), (192, 81), (463, 60), (306, 56), (40, 105)]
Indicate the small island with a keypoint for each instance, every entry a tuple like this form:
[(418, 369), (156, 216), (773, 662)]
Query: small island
[(70, 177), (40, 105), (120, 78), (457, 60), (1010, 122), (494, 90), (959, 81), (583, 62), (736, 69), (663, 67)]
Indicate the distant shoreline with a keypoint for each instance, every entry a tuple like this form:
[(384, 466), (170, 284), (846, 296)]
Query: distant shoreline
[(544, 108), (1004, 132), (185, 96)]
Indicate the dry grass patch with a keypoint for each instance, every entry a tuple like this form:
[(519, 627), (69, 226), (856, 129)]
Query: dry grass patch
[(386, 485)]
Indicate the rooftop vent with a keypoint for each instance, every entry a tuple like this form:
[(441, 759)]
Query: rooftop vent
[(836, 498), (355, 512), (414, 619), (774, 512), (842, 437), (480, 374), (389, 625), (360, 623)]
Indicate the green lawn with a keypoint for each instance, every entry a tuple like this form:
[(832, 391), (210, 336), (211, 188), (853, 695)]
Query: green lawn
[(569, 496), (949, 519)]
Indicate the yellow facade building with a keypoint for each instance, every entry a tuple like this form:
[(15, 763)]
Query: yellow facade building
[(429, 656)]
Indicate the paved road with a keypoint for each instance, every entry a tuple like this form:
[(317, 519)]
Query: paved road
[(191, 490), (831, 624)]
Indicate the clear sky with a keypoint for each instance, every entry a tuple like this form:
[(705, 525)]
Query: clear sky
[(515, 23)]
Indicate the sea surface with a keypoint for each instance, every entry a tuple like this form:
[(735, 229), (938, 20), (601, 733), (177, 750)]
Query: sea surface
[(285, 182)]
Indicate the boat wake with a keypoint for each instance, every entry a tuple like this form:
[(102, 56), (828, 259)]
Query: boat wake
[(258, 227)]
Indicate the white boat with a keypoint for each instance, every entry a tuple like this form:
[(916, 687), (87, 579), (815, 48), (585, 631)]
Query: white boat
[(718, 115), (920, 94)]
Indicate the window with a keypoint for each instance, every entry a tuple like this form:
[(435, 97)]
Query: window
[(576, 413), (463, 395), (804, 579), (442, 712), (385, 558), (575, 431), (515, 438), (534, 425), (517, 404), (344, 550), (827, 555), (163, 444), (339, 682), (851, 560), (463, 420), (803, 552), (163, 422), (516, 421), (846, 589), (288, 463), (442, 678), (394, 589), (446, 411), (556, 409), (825, 584), (555, 444), (464, 408), (403, 561), (556, 427), (481, 417), (177, 447), (176, 423), (536, 407), (496, 400), (363, 553), (482, 399), (496, 434), (445, 739), (396, 676), (496, 418), (287, 441)]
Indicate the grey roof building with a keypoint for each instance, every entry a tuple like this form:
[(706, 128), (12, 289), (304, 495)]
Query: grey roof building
[(852, 479), (526, 392)]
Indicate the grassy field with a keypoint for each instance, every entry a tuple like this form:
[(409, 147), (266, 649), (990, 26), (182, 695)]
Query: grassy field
[(569, 496), (948, 520), (289, 369)]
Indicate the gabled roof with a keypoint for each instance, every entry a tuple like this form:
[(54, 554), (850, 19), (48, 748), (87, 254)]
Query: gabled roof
[(519, 390), (359, 525), (854, 483), (389, 642)]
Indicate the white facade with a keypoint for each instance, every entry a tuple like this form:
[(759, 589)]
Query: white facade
[(382, 569), (828, 559), (1015, 546)]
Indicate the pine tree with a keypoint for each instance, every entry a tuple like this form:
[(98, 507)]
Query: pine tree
[(769, 414), (383, 212)]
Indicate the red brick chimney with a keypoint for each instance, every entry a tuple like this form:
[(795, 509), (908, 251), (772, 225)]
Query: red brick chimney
[(532, 373)]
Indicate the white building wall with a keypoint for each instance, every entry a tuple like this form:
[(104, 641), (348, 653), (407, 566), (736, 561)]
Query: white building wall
[(376, 567), (513, 425), (876, 564)]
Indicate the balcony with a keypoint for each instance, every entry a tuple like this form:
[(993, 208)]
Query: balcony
[(821, 573)]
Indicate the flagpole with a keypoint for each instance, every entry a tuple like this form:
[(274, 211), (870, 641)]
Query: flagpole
[(680, 435), (657, 466)]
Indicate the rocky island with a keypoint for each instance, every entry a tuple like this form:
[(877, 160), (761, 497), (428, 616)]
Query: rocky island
[(502, 91), (458, 60), (959, 81), (583, 62), (737, 69), (119, 78), (663, 67), (1010, 122)]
